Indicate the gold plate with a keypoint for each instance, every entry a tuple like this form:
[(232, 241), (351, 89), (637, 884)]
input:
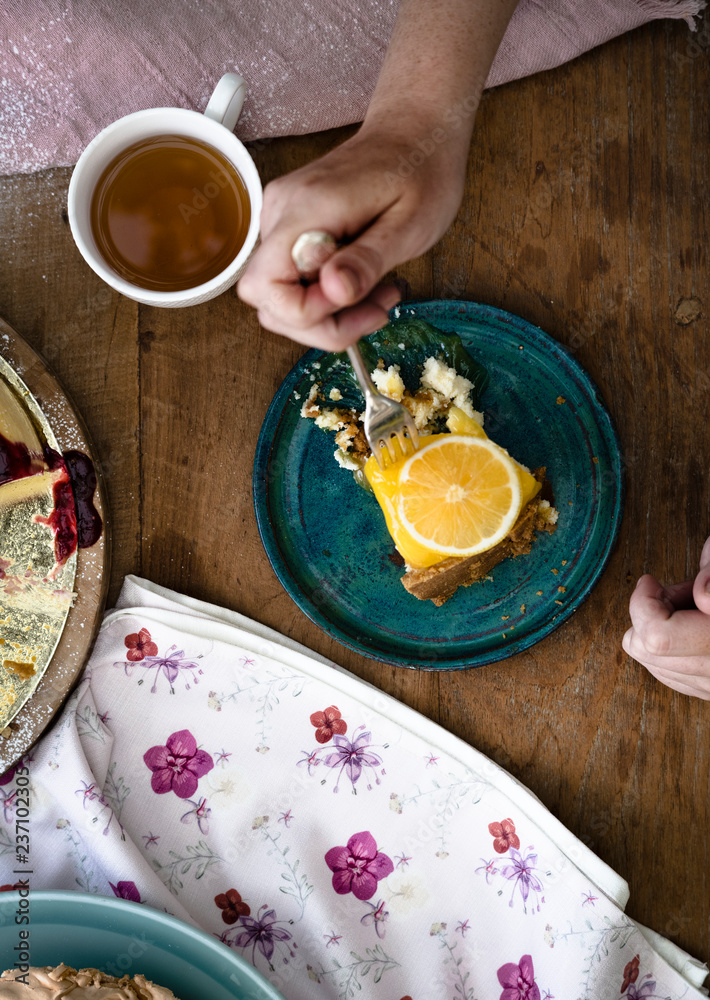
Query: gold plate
[(35, 593), (73, 647)]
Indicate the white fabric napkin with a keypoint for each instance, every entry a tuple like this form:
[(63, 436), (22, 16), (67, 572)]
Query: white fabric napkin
[(340, 841)]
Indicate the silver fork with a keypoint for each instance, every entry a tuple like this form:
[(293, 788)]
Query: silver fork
[(385, 420)]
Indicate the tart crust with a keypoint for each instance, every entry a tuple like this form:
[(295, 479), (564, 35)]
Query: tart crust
[(440, 582)]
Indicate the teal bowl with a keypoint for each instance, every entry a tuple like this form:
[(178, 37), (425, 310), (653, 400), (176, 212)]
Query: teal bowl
[(124, 938)]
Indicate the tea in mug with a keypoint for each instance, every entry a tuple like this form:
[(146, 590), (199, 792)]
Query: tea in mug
[(170, 213)]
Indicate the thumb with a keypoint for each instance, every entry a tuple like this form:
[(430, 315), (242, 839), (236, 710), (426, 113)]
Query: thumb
[(701, 587), (354, 270)]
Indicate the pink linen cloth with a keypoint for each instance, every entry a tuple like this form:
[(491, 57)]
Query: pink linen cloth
[(69, 69), (341, 842)]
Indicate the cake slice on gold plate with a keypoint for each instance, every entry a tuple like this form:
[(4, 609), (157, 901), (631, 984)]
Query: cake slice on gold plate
[(38, 540)]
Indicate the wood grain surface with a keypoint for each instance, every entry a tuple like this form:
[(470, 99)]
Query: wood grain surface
[(586, 212)]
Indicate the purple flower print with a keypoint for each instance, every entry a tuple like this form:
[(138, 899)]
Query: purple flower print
[(358, 867), (7, 777), (261, 933), (377, 915), (489, 868), (311, 760), (522, 873), (199, 812), (518, 981), (352, 757), (629, 989), (170, 665), (126, 890), (177, 766)]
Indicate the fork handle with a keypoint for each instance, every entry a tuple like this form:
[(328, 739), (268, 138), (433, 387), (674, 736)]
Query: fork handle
[(363, 376)]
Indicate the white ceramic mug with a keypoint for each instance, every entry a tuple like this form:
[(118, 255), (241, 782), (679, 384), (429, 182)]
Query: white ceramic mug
[(214, 127)]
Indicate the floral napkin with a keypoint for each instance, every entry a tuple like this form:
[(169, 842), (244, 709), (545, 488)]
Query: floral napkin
[(339, 841)]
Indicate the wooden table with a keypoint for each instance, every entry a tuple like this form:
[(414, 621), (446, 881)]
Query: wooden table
[(586, 212)]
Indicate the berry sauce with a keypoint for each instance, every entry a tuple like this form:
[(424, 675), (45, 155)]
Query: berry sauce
[(83, 483), (74, 519), (17, 461)]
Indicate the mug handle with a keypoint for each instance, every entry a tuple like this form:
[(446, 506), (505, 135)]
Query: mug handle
[(226, 102)]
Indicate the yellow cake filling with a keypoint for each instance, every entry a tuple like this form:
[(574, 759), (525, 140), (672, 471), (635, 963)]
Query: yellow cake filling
[(459, 495)]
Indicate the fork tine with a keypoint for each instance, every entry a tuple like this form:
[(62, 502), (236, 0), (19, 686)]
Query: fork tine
[(405, 442), (388, 445)]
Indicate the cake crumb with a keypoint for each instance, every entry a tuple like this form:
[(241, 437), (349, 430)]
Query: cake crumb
[(522, 609), (564, 562), (539, 593), (558, 602), (335, 394), (389, 381), (562, 590), (555, 571), (560, 400), (505, 617), (595, 459)]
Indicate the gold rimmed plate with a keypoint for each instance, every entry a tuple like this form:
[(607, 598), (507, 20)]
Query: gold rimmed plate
[(51, 600), (37, 570)]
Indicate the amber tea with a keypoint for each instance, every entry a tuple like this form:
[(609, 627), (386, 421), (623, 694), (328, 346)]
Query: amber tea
[(170, 213)]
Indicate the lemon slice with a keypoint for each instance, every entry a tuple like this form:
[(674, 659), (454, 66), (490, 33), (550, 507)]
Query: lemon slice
[(459, 495)]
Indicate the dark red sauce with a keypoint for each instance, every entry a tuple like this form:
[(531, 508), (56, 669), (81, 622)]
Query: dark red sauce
[(17, 461), (83, 481), (62, 520), (74, 520)]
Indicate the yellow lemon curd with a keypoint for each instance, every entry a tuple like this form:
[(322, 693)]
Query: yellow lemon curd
[(385, 484)]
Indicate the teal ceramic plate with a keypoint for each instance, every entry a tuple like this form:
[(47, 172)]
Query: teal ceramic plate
[(119, 937), (326, 538)]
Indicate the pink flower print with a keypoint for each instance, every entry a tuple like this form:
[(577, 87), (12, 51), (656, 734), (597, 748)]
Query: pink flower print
[(358, 867), (328, 724), (518, 981), (139, 645), (177, 766), (126, 890), (504, 835)]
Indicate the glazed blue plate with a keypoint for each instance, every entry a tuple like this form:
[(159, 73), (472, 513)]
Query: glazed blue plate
[(328, 544), (123, 938)]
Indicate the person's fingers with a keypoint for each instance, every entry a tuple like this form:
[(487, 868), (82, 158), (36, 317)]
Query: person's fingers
[(338, 331), (357, 267), (648, 602), (685, 636), (680, 594), (684, 633), (701, 586), (696, 685)]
